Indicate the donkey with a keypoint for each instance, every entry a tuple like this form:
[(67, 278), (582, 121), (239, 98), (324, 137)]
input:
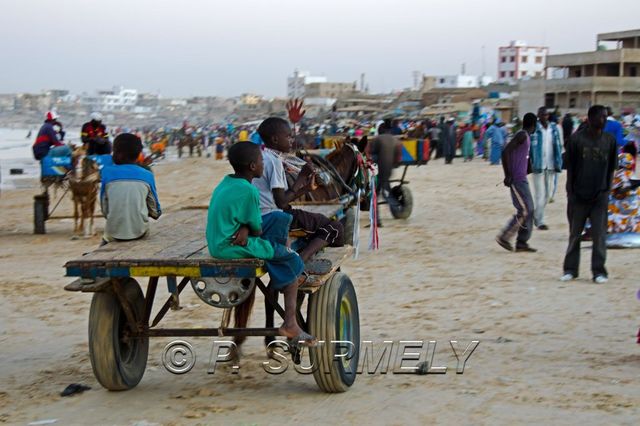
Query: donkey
[(84, 185)]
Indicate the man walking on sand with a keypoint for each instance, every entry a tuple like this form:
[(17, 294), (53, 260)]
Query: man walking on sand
[(591, 159), (515, 163), (546, 161)]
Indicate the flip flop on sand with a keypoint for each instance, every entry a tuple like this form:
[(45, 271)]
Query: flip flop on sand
[(318, 266)]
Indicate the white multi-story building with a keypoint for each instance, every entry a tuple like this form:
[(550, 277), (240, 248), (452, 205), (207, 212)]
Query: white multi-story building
[(461, 81), (297, 82), (117, 99), (519, 61)]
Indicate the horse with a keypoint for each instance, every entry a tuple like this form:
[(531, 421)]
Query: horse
[(192, 142), (344, 165), (84, 183)]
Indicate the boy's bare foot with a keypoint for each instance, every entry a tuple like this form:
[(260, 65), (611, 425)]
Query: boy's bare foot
[(301, 279), (298, 335)]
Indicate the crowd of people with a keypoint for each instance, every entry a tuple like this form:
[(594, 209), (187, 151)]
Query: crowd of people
[(544, 138), (601, 193)]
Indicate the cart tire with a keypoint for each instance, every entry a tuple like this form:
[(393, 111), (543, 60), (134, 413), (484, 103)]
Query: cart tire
[(40, 212), (333, 315), (405, 202), (117, 365), (349, 223)]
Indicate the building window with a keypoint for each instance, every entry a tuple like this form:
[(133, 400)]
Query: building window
[(512, 74), (512, 59), (549, 100), (524, 59), (503, 59), (538, 59), (523, 74), (503, 74)]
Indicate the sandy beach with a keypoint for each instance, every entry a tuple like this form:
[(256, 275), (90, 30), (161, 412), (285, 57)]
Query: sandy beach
[(549, 352)]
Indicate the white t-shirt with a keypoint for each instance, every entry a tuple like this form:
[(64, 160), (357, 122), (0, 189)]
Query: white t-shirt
[(273, 177), (548, 158)]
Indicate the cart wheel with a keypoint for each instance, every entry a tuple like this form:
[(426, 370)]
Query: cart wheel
[(333, 315), (349, 223), (118, 363), (40, 212), (404, 206)]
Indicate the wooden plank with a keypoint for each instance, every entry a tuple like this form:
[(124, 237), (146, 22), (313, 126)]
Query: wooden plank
[(239, 270), (162, 271), (185, 263), (337, 255), (183, 248), (177, 229)]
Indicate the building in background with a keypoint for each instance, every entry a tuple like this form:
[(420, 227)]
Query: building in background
[(459, 81), (329, 90), (116, 99), (579, 80), (33, 102), (519, 61), (297, 82)]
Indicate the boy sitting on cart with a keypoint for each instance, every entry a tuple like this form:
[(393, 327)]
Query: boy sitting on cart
[(235, 227), (275, 195), (128, 194)]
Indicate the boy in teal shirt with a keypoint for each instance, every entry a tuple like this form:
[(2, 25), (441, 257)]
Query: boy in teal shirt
[(234, 227)]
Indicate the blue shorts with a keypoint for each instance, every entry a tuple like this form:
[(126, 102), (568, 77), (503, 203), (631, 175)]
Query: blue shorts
[(275, 227), (286, 265)]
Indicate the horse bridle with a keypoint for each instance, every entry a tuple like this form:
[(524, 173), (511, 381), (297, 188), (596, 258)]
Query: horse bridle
[(321, 161)]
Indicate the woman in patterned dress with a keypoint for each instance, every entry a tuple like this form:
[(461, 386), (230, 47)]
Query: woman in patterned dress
[(624, 200)]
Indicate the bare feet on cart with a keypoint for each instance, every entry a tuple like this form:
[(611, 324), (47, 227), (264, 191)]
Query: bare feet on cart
[(296, 336)]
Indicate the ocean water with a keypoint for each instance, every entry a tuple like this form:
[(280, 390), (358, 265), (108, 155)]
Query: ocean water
[(15, 153)]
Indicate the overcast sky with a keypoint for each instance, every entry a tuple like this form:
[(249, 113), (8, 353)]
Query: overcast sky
[(228, 47)]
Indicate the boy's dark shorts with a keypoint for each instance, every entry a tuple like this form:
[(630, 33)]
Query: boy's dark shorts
[(316, 225)]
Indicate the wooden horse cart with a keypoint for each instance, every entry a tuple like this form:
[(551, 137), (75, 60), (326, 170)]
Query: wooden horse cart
[(55, 172), (120, 322)]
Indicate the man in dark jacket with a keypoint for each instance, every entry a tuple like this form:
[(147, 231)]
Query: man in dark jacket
[(47, 142), (591, 159), (567, 128), (95, 137)]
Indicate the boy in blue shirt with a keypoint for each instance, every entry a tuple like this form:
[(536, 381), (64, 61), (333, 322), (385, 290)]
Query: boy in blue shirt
[(234, 227), (128, 195)]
